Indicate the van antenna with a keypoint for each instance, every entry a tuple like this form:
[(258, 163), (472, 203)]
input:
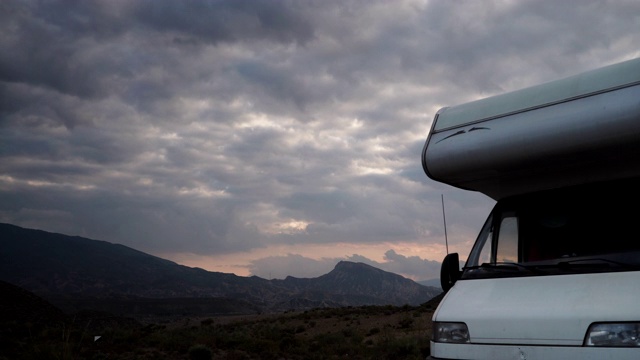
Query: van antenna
[(444, 219)]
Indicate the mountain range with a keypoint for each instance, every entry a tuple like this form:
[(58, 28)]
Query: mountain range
[(73, 272)]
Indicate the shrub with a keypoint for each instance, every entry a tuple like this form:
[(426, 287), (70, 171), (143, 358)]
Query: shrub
[(200, 352), (405, 323), (404, 348), (373, 331)]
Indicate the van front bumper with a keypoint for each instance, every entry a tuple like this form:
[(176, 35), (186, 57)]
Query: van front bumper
[(440, 351)]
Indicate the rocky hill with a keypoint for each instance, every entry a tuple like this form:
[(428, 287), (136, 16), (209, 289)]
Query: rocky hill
[(368, 284), (74, 270)]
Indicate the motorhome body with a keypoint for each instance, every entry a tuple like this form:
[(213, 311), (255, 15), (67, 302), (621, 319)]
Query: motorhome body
[(555, 271)]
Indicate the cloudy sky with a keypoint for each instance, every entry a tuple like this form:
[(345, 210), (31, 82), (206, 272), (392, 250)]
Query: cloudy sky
[(273, 137)]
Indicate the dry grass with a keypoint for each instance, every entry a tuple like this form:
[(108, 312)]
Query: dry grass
[(367, 332)]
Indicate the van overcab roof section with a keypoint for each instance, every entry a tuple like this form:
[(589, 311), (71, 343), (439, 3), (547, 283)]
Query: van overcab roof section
[(577, 130)]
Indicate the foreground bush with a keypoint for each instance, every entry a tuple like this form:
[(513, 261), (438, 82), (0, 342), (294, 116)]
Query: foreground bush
[(357, 333), (200, 352)]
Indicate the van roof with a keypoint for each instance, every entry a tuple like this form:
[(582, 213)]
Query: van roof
[(577, 130), (604, 79)]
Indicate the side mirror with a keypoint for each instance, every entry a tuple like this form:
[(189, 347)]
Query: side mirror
[(450, 271)]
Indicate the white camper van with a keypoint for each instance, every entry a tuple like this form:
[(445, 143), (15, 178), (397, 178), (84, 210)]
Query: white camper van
[(555, 270)]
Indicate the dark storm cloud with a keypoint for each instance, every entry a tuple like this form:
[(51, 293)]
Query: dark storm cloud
[(486, 45), (44, 44), (93, 49), (227, 20), (200, 226), (414, 266), (327, 207), (219, 126), (278, 83)]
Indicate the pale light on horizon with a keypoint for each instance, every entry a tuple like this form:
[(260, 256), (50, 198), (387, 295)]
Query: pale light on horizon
[(239, 263)]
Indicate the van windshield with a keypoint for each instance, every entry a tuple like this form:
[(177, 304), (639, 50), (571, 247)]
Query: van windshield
[(583, 229)]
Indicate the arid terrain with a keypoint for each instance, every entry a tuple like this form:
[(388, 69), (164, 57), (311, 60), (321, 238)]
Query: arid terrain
[(62, 298), (32, 328)]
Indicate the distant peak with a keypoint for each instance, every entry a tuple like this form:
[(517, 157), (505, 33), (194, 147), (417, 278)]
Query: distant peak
[(343, 264)]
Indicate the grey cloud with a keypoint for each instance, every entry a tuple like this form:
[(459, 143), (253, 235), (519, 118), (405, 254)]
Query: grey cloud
[(44, 49), (483, 46), (328, 207), (96, 49), (347, 215), (279, 267), (228, 20), (161, 224), (279, 83), (411, 265), (197, 126)]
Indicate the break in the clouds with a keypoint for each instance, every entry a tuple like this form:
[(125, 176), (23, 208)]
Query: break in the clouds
[(220, 128)]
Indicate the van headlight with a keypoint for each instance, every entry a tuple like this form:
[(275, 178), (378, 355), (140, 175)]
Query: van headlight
[(450, 332), (625, 334)]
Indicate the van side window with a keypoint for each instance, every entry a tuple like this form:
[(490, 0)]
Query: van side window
[(507, 250), (485, 253), (482, 251), (498, 241)]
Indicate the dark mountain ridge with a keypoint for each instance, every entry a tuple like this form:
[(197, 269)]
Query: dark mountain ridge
[(350, 278), (59, 267)]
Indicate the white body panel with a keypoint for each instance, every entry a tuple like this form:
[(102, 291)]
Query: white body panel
[(508, 317), (527, 352)]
